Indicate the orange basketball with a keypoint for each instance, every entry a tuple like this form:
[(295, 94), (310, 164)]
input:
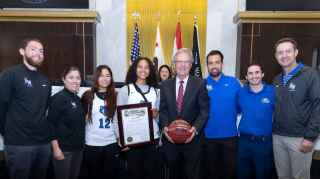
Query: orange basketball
[(179, 131)]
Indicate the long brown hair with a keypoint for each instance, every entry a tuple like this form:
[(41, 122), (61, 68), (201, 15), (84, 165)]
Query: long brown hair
[(110, 99)]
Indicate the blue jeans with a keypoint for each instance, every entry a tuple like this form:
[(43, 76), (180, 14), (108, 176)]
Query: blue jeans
[(254, 157)]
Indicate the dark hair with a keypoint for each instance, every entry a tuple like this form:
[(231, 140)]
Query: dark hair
[(67, 70), (168, 68), (24, 43), (255, 64), (286, 39), (132, 72), (215, 52), (111, 96)]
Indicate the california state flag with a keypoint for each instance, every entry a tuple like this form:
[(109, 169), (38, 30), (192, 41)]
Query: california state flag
[(158, 53), (177, 39)]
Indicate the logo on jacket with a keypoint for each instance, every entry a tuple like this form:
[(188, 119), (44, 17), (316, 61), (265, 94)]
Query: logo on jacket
[(265, 101), (209, 87), (74, 105), (27, 82), (292, 87)]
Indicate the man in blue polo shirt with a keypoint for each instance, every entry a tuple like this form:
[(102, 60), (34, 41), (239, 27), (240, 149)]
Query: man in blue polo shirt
[(256, 104), (220, 143)]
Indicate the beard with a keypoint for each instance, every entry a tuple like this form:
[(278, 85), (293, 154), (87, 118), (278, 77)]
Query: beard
[(31, 62), (215, 72)]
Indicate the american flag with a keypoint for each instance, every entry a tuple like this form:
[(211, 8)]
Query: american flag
[(135, 49)]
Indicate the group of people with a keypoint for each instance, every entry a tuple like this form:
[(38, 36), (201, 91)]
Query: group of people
[(238, 130)]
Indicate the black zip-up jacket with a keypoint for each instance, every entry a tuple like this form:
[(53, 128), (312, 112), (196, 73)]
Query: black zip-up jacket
[(68, 120), (297, 108), (24, 96)]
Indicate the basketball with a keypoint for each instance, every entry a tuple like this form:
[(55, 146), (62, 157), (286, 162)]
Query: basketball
[(178, 131)]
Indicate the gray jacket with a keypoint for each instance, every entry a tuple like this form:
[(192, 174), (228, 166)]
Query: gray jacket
[(297, 109)]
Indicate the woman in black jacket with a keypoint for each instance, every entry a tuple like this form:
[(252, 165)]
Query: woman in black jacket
[(68, 120)]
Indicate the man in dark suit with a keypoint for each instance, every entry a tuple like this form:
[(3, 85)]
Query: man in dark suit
[(184, 96)]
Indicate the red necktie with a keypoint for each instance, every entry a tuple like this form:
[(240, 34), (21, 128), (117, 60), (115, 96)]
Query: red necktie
[(180, 98)]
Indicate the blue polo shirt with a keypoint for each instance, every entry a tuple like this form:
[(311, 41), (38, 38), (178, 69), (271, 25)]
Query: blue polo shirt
[(294, 71), (257, 110), (223, 107)]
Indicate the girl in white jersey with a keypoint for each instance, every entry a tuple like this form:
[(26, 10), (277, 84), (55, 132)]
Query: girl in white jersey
[(101, 146), (143, 162)]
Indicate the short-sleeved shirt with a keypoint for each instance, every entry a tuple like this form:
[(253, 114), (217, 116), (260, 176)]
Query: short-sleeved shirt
[(223, 107), (257, 110)]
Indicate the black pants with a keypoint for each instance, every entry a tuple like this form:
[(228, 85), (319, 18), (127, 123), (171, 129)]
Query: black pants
[(183, 160), (102, 161), (219, 158), (26, 162), (144, 162), (315, 169), (69, 167)]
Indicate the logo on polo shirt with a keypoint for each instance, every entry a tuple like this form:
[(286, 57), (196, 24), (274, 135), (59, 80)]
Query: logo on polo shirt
[(292, 87), (265, 100), (209, 87), (226, 84), (27, 82)]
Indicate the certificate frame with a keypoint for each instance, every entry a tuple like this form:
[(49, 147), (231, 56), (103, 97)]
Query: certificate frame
[(142, 115)]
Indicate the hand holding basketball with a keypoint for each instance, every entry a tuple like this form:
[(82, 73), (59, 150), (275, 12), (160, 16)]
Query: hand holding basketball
[(180, 131)]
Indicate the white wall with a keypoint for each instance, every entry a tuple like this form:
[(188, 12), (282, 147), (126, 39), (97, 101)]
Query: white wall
[(222, 32), (111, 33)]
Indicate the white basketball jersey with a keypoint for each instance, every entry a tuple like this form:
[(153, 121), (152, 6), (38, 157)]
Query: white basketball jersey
[(101, 131), (135, 97)]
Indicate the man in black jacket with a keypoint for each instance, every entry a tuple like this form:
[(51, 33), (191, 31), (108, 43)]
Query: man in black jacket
[(24, 95), (297, 113)]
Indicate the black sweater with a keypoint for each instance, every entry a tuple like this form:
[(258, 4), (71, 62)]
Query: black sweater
[(68, 119), (24, 98)]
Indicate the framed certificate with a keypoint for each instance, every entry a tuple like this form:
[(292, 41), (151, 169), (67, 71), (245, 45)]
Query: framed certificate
[(135, 124)]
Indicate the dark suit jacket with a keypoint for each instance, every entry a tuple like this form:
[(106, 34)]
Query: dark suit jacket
[(195, 103)]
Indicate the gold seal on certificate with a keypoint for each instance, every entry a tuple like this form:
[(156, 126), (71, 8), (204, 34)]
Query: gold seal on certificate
[(135, 124)]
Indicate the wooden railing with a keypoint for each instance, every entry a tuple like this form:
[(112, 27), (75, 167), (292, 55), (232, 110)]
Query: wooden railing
[(46, 15)]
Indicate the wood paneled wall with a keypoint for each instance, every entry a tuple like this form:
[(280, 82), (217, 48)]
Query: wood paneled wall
[(258, 39), (65, 44)]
